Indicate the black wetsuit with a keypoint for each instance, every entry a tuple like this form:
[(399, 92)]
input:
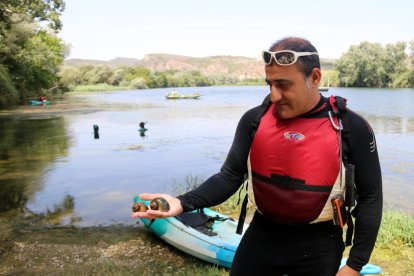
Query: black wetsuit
[(270, 247)]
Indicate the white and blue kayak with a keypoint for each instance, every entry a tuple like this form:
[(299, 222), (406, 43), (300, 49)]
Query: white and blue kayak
[(216, 244), (209, 236)]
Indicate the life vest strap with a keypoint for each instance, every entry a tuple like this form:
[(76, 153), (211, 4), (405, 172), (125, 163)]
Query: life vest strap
[(242, 217), (289, 182)]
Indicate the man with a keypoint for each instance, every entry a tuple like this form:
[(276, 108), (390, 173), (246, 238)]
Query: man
[(293, 163)]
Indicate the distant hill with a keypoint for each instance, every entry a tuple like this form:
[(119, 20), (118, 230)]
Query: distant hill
[(119, 61), (232, 66)]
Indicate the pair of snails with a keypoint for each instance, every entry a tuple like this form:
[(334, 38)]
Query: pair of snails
[(157, 203)]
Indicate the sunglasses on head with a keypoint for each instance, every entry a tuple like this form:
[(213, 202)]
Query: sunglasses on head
[(284, 57)]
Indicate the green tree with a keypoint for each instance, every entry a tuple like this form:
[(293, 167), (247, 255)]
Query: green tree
[(36, 10), (8, 93), (98, 74), (411, 69), (159, 80), (70, 76), (137, 71), (371, 65), (330, 78), (29, 53), (362, 66), (395, 64), (117, 76), (138, 83), (39, 61)]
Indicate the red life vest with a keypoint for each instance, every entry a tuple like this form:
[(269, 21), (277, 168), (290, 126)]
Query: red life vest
[(294, 164)]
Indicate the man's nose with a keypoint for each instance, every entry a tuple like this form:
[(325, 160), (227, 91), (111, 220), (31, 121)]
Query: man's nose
[(275, 94)]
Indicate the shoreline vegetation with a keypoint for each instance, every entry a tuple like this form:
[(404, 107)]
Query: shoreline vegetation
[(37, 244), (103, 87)]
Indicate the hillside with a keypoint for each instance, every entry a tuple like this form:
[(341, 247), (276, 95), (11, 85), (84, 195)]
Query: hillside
[(232, 66)]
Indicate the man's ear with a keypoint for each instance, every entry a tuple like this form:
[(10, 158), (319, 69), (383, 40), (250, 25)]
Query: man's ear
[(316, 76)]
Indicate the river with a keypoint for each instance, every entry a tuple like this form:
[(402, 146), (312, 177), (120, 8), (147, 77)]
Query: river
[(51, 161)]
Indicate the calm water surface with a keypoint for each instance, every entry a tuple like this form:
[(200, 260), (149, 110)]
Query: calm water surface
[(52, 162)]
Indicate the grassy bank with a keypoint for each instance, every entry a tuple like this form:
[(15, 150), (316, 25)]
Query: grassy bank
[(28, 249)]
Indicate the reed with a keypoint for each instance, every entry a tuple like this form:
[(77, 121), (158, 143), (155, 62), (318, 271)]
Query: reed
[(230, 207)]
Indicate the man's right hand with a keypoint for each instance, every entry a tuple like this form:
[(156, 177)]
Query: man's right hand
[(175, 207)]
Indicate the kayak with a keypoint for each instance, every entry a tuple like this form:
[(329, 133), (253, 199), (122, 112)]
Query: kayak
[(214, 241), (39, 102)]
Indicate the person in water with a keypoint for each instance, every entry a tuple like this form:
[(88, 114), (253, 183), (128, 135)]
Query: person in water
[(294, 166), (142, 127)]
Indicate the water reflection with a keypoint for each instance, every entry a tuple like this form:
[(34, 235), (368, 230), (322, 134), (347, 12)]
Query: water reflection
[(61, 213), (27, 148), (391, 124), (12, 196)]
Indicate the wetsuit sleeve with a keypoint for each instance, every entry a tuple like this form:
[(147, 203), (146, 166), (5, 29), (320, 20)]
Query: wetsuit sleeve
[(368, 182), (222, 185)]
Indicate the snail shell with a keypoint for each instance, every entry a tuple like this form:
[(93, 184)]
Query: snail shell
[(139, 207), (159, 204)]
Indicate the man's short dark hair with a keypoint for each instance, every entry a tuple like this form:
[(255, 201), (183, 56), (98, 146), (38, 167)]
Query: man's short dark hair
[(297, 44)]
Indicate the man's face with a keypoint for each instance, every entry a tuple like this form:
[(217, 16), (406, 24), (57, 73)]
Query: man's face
[(289, 92)]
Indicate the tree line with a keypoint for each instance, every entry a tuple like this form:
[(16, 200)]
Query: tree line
[(364, 65), (136, 77), (31, 61)]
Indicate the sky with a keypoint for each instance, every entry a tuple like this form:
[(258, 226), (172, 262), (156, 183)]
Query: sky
[(106, 29)]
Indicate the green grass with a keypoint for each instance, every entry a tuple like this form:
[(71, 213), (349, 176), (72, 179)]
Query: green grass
[(397, 230)]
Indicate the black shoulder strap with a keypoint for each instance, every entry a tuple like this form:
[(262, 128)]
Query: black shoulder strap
[(338, 105), (343, 115), (256, 121), (255, 125), (341, 112)]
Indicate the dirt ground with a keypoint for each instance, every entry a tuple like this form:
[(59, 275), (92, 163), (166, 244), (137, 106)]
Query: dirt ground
[(123, 250), (111, 250)]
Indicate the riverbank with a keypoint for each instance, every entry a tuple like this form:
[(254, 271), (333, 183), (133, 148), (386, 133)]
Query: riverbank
[(110, 250), (27, 248)]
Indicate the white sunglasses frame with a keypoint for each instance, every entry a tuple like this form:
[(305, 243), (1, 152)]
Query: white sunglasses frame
[(295, 54)]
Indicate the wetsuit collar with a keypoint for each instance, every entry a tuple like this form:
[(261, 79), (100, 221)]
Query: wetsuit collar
[(321, 106)]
